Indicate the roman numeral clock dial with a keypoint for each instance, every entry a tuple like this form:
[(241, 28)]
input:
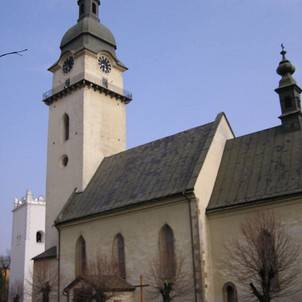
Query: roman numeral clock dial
[(104, 64), (68, 64)]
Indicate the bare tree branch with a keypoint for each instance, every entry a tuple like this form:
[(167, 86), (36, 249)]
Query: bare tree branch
[(169, 288), (18, 52), (4, 276), (265, 261), (43, 283), (102, 278)]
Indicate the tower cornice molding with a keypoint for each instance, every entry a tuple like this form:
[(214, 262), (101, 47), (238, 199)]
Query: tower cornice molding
[(114, 92)]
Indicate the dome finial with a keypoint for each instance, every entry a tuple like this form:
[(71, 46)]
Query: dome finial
[(285, 67)]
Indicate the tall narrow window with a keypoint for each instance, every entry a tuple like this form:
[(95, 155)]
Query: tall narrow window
[(80, 257), (167, 252), (66, 127), (39, 236), (119, 255), (230, 292), (94, 8)]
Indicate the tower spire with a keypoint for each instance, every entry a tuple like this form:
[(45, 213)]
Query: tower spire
[(89, 8), (289, 94)]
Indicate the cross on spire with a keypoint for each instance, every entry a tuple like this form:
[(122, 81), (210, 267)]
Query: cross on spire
[(283, 52)]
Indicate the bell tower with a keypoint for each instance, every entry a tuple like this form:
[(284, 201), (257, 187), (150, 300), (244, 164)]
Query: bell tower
[(289, 95), (87, 110)]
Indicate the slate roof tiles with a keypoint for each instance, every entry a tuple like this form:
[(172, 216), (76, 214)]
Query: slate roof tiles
[(257, 166), (152, 171)]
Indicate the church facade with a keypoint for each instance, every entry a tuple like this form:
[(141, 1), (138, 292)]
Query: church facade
[(177, 200)]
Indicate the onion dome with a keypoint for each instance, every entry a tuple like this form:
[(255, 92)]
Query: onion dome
[(88, 33), (286, 69)]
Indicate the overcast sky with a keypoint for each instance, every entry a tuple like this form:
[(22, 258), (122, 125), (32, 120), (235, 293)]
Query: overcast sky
[(188, 61)]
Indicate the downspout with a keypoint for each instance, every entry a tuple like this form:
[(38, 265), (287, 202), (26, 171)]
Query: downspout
[(59, 261), (192, 244)]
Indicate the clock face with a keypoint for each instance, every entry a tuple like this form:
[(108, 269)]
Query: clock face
[(105, 64), (68, 64)]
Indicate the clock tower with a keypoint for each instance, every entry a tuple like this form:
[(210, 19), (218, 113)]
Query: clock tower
[(87, 110)]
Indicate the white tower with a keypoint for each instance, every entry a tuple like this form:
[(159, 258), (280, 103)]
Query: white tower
[(87, 110), (28, 240)]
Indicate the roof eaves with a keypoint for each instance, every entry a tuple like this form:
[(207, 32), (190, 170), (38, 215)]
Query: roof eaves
[(253, 202), (48, 254), (59, 223)]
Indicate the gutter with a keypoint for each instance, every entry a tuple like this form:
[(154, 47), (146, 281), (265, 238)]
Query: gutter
[(256, 202), (104, 213), (186, 196), (59, 261)]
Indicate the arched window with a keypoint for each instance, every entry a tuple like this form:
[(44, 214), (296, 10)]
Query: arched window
[(230, 292), (119, 255), (94, 8), (39, 236), (167, 252), (65, 127), (80, 257)]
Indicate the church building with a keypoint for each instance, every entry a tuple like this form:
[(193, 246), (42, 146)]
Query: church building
[(175, 201)]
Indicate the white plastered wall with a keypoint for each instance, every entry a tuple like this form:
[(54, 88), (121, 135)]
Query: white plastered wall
[(225, 227), (140, 229), (28, 219), (18, 249), (61, 181)]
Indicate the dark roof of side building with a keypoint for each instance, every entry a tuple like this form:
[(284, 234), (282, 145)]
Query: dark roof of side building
[(50, 253), (111, 283), (259, 166), (152, 171)]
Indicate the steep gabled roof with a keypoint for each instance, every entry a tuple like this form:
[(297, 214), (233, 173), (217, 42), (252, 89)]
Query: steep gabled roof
[(152, 171), (259, 166)]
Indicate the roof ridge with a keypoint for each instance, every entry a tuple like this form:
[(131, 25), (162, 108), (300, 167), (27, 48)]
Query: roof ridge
[(256, 132)]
